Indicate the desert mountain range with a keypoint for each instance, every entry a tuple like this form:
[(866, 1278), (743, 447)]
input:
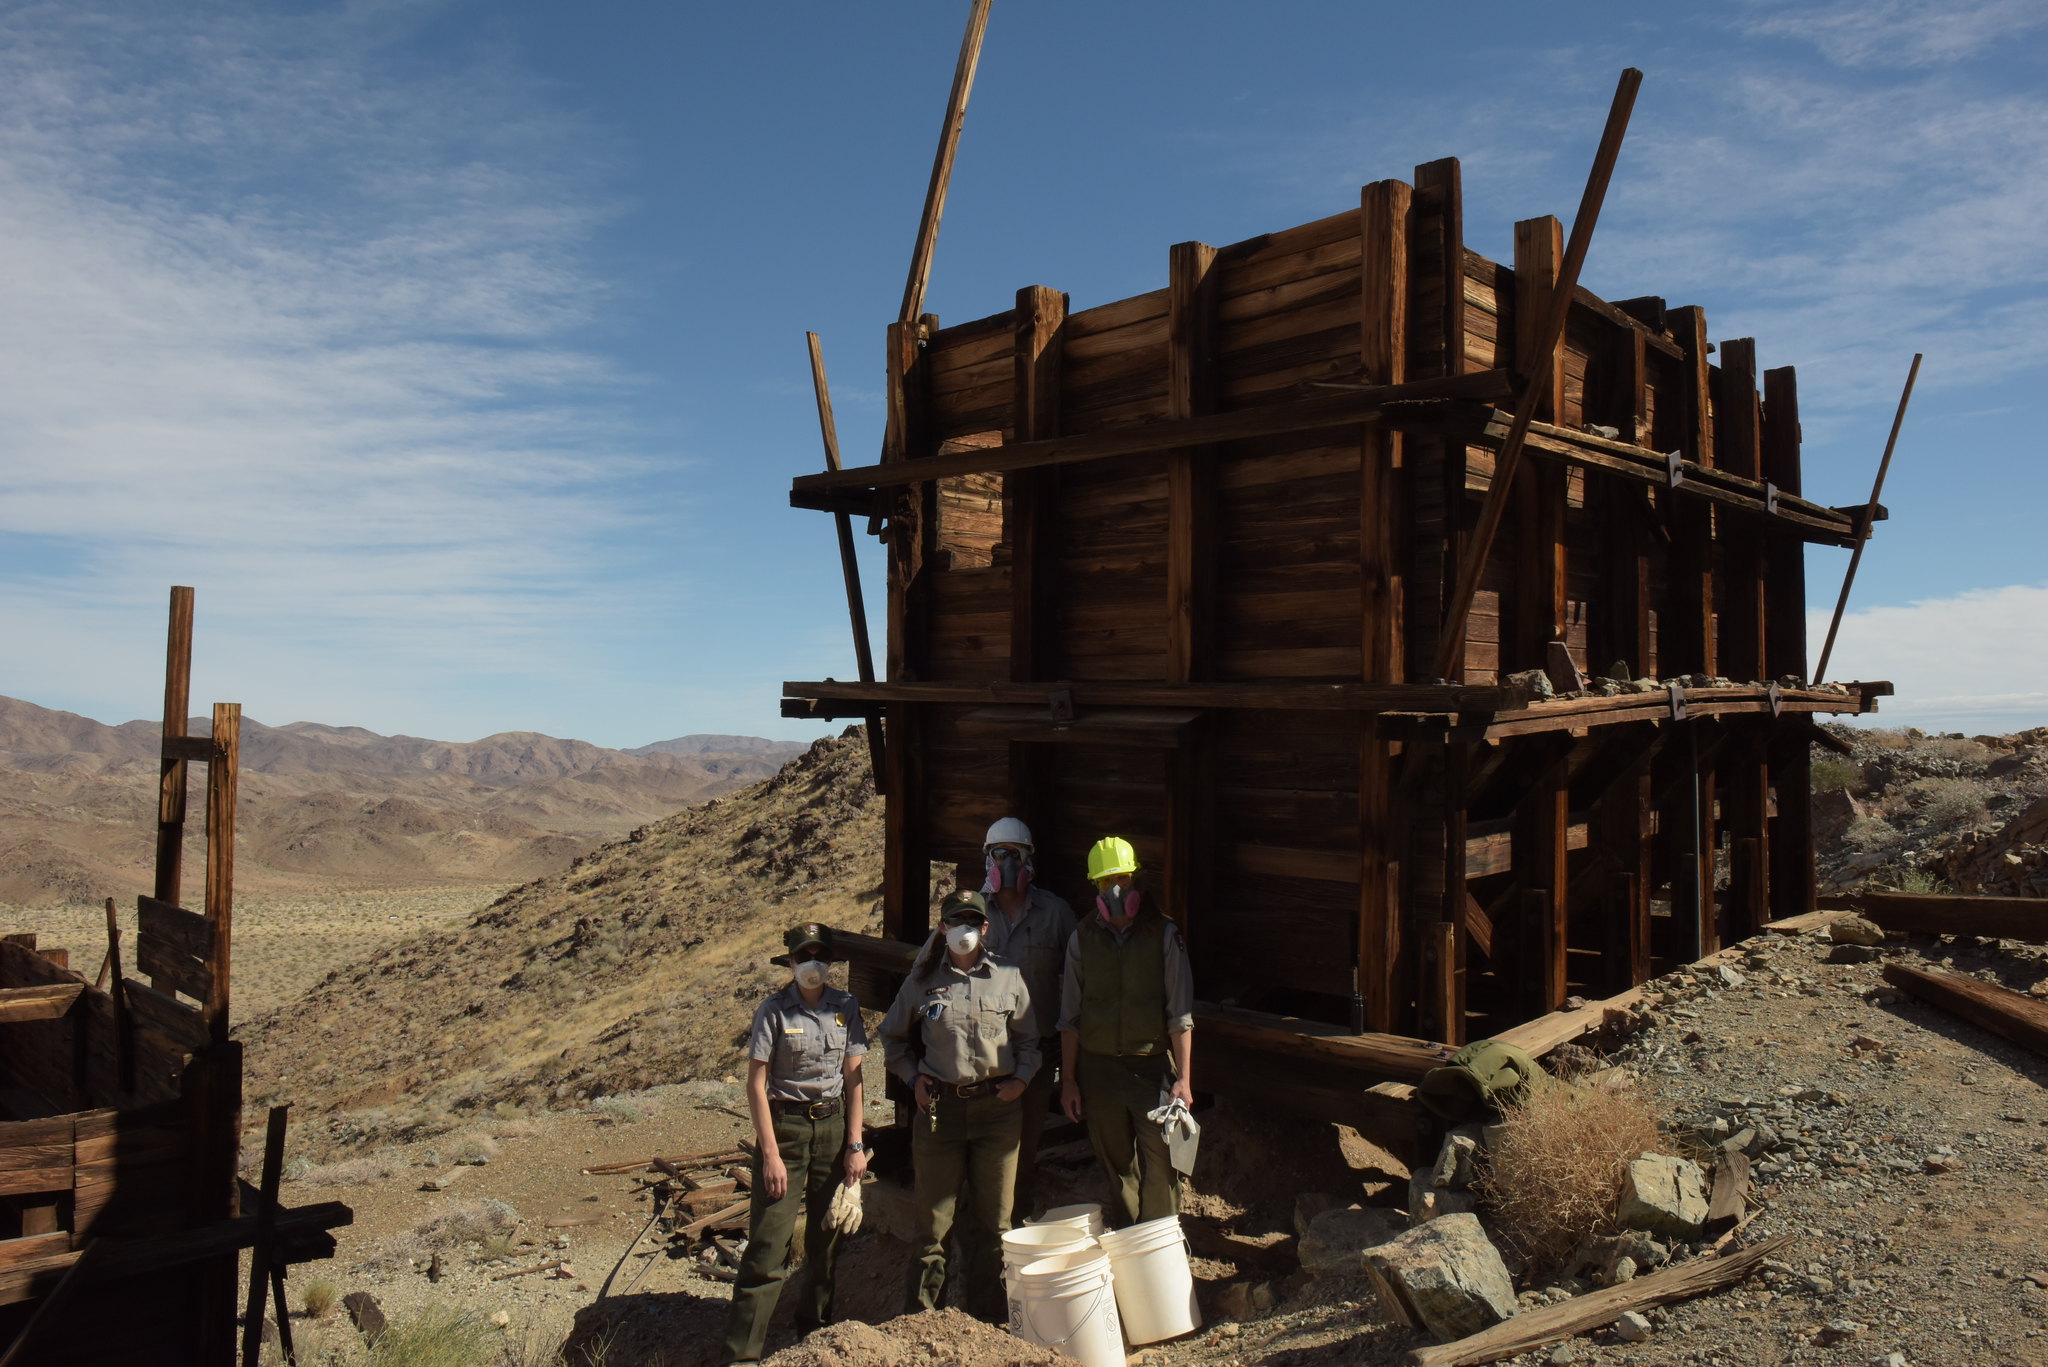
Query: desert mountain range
[(332, 805)]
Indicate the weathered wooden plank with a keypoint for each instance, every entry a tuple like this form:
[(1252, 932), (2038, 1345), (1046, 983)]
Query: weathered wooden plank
[(165, 1014), (1282, 696), (2016, 1016), (1307, 415), (170, 969), (184, 930), (1190, 474), (2003, 918), (1392, 1055), (46, 1001)]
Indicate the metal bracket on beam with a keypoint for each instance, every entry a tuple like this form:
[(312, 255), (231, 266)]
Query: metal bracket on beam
[(1777, 701), (1678, 702), (1770, 498), (1674, 469), (1061, 703)]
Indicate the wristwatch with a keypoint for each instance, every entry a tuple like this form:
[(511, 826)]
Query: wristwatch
[(856, 1147)]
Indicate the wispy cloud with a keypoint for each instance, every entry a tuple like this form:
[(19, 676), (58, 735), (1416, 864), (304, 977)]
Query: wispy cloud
[(288, 317), (1899, 33), (1969, 662)]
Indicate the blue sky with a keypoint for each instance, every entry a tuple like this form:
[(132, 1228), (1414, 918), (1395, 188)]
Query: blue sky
[(454, 351)]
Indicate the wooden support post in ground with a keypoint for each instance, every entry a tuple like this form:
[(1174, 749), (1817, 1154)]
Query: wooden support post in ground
[(1541, 572), (222, 780), (260, 1251), (1789, 852), (1439, 482)]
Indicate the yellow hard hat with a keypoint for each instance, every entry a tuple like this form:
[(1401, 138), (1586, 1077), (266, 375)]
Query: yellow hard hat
[(1112, 854)]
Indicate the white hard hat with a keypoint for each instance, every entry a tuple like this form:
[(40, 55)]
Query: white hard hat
[(1009, 831)]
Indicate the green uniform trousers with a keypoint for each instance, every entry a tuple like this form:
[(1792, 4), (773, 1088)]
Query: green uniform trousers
[(1036, 1104), (1115, 1095), (814, 1153), (969, 1142)]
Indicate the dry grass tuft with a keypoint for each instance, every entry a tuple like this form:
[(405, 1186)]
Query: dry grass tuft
[(1553, 1175), (320, 1297)]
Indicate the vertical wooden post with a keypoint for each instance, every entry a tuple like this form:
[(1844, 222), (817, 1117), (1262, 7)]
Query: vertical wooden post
[(1539, 494), (1686, 643), (906, 874), (1440, 263), (1032, 495), (222, 778), (260, 1253), (1623, 624), (1790, 851), (170, 816), (1384, 214), (1190, 475)]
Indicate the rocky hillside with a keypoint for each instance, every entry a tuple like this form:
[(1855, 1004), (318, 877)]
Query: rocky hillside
[(636, 965), (1934, 813), (330, 804)]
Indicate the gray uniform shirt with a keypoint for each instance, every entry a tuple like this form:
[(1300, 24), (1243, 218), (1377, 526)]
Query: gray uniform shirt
[(1036, 943), (1180, 983), (806, 1047), (974, 1025)]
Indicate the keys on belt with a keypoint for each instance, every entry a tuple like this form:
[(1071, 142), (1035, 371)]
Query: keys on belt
[(809, 1110)]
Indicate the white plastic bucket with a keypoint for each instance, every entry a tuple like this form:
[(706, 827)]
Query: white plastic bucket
[(1086, 1217), (1034, 1243), (1068, 1303), (1155, 1287)]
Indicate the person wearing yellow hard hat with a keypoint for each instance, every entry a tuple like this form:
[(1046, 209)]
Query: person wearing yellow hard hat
[(1126, 1028), (1028, 928)]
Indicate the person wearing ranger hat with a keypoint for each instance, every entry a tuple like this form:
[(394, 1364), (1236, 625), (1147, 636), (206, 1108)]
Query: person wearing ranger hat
[(1028, 928), (804, 1092), (962, 1036)]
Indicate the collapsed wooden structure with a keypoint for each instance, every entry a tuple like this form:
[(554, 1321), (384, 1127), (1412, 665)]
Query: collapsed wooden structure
[(121, 1109), (1178, 567)]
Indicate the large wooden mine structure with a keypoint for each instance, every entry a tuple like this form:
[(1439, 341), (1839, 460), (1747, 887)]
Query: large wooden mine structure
[(122, 1209), (1179, 567)]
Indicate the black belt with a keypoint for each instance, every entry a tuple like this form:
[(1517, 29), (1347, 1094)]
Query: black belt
[(966, 1090), (808, 1110)]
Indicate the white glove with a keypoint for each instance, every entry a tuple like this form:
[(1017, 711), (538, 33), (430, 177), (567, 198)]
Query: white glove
[(844, 1213), (1182, 1132)]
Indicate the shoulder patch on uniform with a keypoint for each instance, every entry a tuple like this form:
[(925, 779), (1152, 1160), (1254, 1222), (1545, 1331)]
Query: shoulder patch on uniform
[(839, 1019)]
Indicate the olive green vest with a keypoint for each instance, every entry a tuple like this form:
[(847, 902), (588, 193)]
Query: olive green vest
[(1123, 988)]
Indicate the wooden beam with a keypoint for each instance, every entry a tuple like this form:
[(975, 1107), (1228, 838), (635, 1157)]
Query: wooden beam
[(1190, 474), (222, 778), (2001, 918), (170, 814), (1742, 611), (158, 1253), (1785, 568), (1481, 547), (942, 163), (849, 560), (1385, 213), (1287, 1036), (1031, 495), (2000, 1010), (1869, 518), (187, 931), (1538, 614), (43, 1002), (1439, 185), (1541, 1327), (1332, 697), (1343, 409), (1686, 641)]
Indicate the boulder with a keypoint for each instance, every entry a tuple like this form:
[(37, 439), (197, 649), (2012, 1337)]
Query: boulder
[(365, 1314), (1308, 1205), (1664, 1195), (1427, 1201), (1456, 1161), (1632, 1328), (1855, 930), (1445, 1277), (1334, 1239)]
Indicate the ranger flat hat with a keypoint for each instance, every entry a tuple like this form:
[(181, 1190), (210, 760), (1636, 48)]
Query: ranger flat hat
[(963, 907), (797, 937)]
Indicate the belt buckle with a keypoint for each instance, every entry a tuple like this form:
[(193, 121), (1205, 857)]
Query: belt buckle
[(966, 1090), (819, 1110)]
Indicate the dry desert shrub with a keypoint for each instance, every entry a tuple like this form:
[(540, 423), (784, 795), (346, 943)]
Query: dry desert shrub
[(349, 1172), (1554, 1170), (320, 1297)]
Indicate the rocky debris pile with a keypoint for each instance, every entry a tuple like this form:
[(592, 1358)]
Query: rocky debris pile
[(1920, 812), (1564, 681), (932, 1338)]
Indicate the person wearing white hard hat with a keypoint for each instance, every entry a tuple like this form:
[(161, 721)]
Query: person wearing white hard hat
[(1028, 928)]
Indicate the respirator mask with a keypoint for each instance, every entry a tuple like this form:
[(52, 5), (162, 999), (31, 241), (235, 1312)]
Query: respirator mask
[(1006, 869), (963, 939), (811, 973), (1117, 903)]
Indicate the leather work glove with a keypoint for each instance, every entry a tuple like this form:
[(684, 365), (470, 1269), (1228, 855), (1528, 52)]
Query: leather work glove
[(844, 1213)]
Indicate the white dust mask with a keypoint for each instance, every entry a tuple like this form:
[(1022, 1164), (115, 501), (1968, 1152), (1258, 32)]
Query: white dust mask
[(810, 974), (963, 939)]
